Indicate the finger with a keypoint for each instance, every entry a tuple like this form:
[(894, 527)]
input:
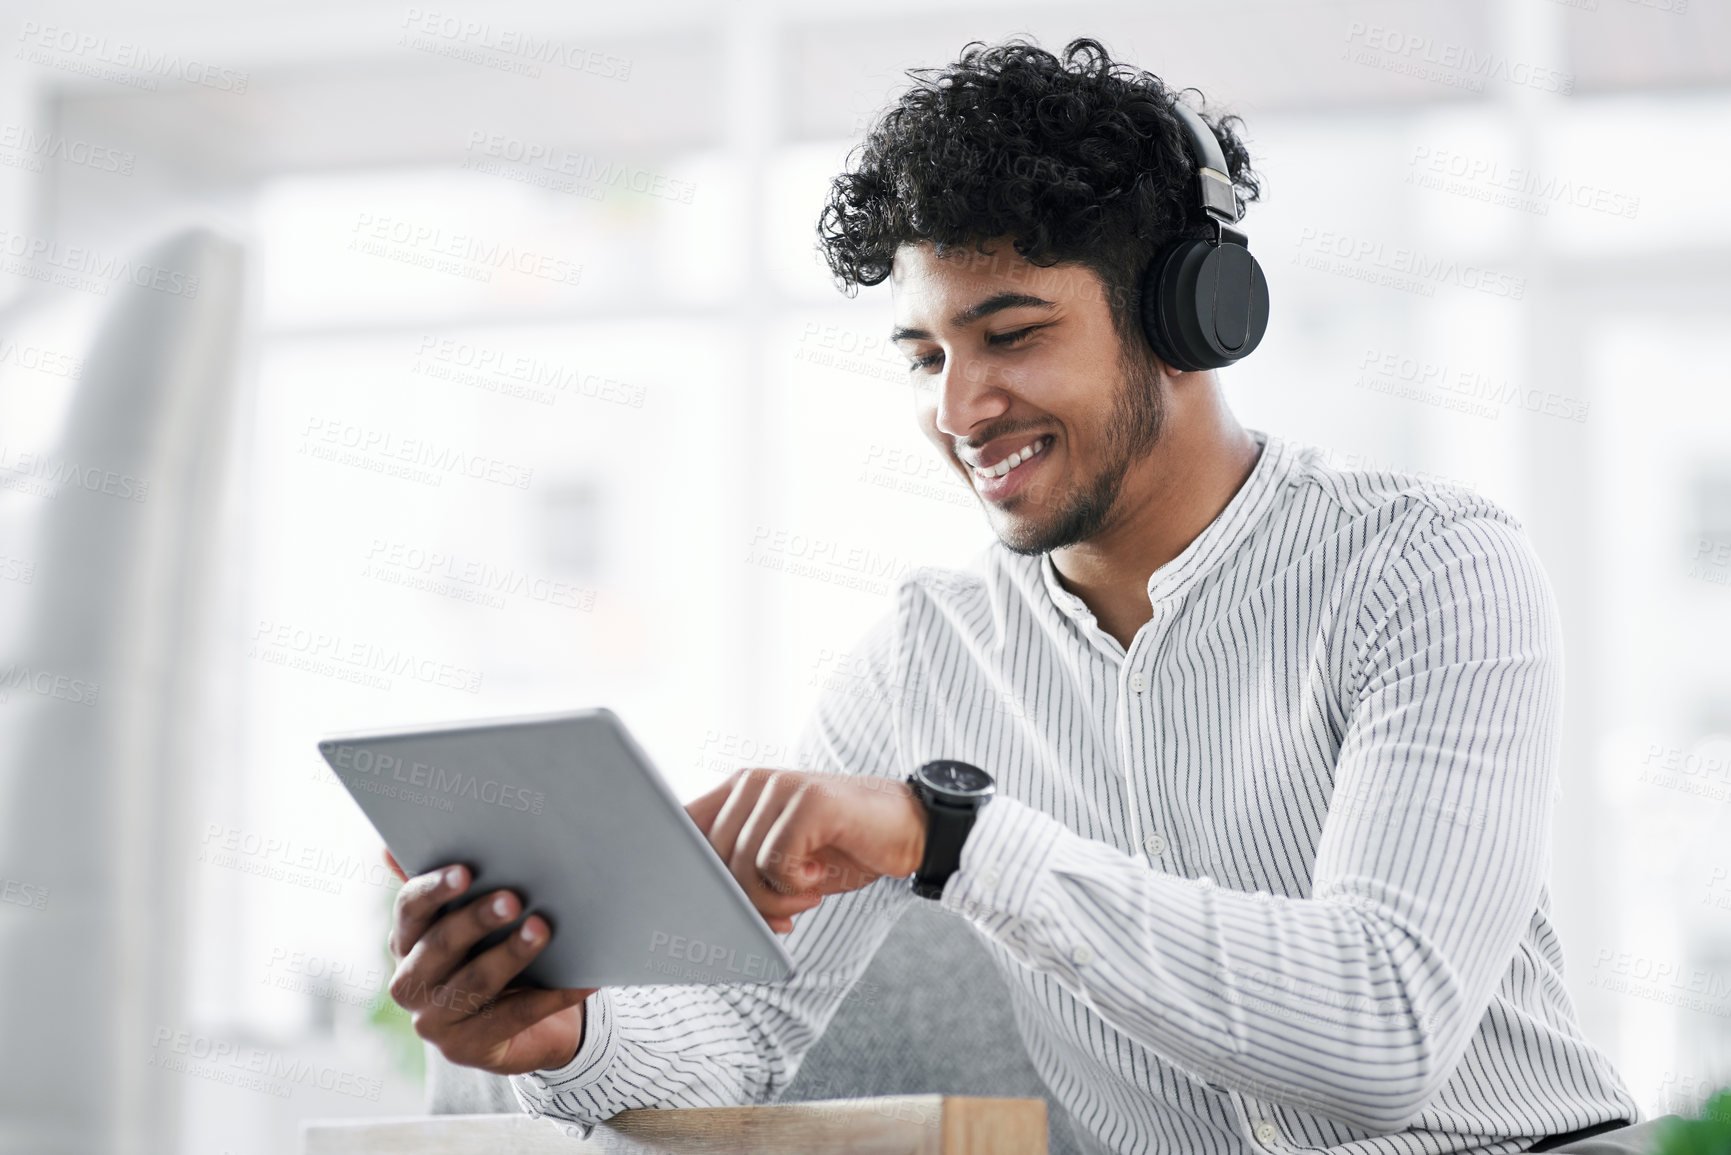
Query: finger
[(797, 854), (786, 854), (781, 919), (778, 794), (469, 990), (741, 800), (781, 884), (396, 868), (800, 855), (774, 795), (783, 923), (442, 949), (482, 1037), (705, 807), (418, 903)]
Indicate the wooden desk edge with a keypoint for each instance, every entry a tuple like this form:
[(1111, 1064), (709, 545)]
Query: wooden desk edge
[(914, 1124)]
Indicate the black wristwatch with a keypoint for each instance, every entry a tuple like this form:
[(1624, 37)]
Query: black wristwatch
[(953, 794)]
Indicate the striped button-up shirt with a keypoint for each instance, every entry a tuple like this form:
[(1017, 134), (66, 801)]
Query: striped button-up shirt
[(1271, 879)]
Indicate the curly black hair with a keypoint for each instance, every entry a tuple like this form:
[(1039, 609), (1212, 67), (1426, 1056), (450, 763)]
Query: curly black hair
[(1075, 158)]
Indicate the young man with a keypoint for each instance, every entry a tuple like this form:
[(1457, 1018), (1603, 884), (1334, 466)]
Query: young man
[(1273, 745)]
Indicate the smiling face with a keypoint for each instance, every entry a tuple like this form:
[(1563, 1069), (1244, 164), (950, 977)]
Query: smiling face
[(1031, 394)]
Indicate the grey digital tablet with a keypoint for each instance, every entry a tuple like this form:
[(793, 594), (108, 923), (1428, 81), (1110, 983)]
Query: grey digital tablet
[(567, 811)]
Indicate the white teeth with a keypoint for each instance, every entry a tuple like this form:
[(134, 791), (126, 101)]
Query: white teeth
[(1014, 459)]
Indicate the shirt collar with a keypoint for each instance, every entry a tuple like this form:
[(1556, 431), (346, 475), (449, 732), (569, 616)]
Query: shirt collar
[(1248, 507)]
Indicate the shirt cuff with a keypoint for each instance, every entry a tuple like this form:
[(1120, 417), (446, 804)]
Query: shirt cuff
[(538, 1090), (1002, 860)]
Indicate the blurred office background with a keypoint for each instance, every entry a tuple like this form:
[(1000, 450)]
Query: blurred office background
[(365, 364)]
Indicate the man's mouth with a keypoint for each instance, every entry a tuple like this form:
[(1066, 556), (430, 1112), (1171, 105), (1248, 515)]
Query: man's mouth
[(1033, 448)]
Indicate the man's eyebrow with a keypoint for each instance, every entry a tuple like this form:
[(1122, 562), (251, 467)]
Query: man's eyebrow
[(977, 311)]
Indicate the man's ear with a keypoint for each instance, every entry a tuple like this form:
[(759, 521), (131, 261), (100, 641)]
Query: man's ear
[(1145, 352), (1151, 359)]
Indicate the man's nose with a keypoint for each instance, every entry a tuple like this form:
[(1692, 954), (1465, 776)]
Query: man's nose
[(968, 393)]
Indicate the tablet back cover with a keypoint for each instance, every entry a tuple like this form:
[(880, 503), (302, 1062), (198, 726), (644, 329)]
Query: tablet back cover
[(567, 811)]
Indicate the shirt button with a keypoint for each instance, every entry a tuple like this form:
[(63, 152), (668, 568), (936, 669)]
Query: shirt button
[(1155, 845), (1082, 955), (1265, 1132), (1138, 681), (989, 879)]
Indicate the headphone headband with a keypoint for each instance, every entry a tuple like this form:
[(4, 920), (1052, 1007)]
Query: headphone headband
[(1212, 175), (1205, 302)]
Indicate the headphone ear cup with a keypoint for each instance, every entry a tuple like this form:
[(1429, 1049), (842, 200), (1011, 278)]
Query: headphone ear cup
[(1169, 313), (1204, 305)]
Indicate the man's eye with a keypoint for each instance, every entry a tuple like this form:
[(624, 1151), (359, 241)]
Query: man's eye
[(925, 362), (1014, 337)]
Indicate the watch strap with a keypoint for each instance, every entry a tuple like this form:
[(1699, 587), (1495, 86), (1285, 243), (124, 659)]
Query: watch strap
[(947, 829)]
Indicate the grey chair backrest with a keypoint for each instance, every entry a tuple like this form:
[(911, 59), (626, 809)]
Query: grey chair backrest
[(929, 1016), (99, 776)]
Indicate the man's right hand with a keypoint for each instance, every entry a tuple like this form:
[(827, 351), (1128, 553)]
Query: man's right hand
[(463, 1008)]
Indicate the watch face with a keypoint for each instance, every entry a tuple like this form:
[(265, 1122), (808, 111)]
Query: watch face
[(953, 777)]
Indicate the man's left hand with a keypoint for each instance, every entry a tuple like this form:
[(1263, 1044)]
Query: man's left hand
[(792, 837)]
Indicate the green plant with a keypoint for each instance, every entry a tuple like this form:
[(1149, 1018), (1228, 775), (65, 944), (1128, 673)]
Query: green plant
[(1708, 1135), (392, 1022)]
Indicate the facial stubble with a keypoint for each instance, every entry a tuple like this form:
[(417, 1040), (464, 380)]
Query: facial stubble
[(1079, 512)]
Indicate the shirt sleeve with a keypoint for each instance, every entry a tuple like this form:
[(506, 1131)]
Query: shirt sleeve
[(1356, 1001), (741, 1043)]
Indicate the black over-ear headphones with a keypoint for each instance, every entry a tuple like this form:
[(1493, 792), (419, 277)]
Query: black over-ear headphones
[(1205, 302)]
